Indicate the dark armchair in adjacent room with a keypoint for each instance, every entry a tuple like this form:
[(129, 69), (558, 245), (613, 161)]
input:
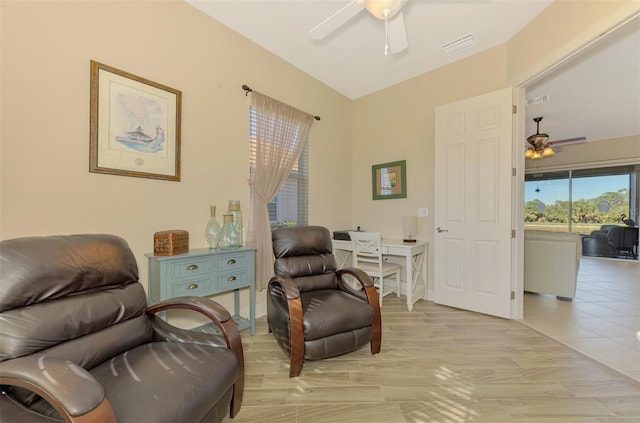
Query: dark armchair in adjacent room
[(314, 310), (623, 241), (79, 344), (612, 241)]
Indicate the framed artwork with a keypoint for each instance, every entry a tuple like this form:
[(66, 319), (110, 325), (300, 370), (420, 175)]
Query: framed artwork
[(135, 125), (389, 180)]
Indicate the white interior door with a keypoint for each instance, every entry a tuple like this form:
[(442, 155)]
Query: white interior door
[(473, 156)]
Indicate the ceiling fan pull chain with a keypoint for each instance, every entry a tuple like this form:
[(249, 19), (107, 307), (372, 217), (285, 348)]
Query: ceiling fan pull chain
[(386, 30)]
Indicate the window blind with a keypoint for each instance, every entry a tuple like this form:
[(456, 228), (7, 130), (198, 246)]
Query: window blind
[(291, 205)]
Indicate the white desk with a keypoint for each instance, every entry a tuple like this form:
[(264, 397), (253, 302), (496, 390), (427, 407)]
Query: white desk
[(415, 255)]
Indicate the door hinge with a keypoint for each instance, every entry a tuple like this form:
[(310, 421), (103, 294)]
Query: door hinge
[(514, 109), (513, 171), (513, 233), (513, 295)]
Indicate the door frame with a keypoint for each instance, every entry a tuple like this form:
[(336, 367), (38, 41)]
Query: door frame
[(594, 34)]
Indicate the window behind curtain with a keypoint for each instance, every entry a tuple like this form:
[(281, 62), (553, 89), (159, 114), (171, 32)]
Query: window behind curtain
[(290, 207)]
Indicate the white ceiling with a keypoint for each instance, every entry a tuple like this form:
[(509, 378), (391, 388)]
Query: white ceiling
[(596, 95)]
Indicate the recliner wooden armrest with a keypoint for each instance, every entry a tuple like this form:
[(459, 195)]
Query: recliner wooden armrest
[(222, 319), (82, 400), (372, 299)]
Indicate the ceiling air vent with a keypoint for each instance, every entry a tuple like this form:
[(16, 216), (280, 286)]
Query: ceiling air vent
[(455, 46), (538, 100)]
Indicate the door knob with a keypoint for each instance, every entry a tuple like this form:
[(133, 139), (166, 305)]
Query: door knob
[(439, 229)]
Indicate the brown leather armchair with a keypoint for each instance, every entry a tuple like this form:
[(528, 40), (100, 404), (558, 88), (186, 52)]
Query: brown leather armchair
[(313, 310), (79, 344)]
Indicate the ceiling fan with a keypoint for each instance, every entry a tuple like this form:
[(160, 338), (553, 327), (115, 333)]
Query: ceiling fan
[(539, 146), (395, 39)]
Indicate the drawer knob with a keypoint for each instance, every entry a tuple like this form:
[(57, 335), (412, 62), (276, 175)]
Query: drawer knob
[(231, 261), (192, 286), (192, 267), (231, 278)]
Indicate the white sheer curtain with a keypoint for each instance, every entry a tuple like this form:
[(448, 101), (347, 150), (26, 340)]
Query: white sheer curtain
[(281, 132)]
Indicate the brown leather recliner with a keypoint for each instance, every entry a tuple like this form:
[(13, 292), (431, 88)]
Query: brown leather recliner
[(78, 342), (313, 311)]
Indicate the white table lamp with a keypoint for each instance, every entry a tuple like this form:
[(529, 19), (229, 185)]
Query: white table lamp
[(409, 228)]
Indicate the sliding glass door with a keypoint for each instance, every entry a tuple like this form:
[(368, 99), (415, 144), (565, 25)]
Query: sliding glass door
[(589, 202), (599, 200), (581, 200), (547, 201)]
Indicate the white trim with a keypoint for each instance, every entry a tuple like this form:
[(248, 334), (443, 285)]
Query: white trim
[(581, 48), (517, 214), (592, 36), (578, 45)]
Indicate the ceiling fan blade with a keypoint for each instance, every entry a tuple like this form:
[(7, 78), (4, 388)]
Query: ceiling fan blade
[(397, 34), (568, 141), (334, 21)]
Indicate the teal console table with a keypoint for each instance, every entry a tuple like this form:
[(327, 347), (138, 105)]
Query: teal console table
[(205, 272)]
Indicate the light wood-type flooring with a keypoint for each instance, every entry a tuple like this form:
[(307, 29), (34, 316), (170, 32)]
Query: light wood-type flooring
[(437, 364)]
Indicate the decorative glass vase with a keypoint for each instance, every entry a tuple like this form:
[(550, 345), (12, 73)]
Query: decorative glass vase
[(234, 209), (212, 230), (229, 235)]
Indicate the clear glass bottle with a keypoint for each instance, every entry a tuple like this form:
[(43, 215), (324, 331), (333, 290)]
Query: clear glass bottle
[(229, 235), (234, 209), (212, 230)]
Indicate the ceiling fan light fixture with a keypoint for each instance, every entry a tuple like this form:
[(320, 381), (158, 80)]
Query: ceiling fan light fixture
[(383, 9), (538, 139), (538, 146)]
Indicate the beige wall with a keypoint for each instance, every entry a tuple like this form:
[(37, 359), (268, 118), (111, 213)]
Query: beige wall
[(45, 184), (560, 30), (398, 123), (46, 47)]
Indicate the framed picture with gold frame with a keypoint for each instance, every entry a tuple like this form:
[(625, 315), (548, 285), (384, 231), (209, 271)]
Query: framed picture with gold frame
[(389, 180), (135, 125)]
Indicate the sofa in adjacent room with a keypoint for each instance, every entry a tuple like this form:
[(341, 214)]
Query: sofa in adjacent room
[(552, 262)]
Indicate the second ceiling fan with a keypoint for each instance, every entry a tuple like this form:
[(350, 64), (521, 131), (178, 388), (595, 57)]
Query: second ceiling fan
[(390, 11)]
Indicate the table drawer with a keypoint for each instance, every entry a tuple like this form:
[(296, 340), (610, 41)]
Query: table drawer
[(231, 280), (190, 268), (232, 262), (200, 286), (205, 272)]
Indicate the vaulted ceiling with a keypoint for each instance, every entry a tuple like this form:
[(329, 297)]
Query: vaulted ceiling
[(595, 95)]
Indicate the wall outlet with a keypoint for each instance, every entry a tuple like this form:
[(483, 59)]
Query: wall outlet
[(423, 212)]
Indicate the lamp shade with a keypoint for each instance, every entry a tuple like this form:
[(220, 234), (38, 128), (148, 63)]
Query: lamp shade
[(409, 228)]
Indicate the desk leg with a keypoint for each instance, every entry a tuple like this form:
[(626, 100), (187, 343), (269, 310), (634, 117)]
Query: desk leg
[(410, 277), (424, 272), (416, 270)]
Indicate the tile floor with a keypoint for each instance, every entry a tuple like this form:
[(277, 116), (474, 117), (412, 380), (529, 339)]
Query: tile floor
[(603, 319)]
